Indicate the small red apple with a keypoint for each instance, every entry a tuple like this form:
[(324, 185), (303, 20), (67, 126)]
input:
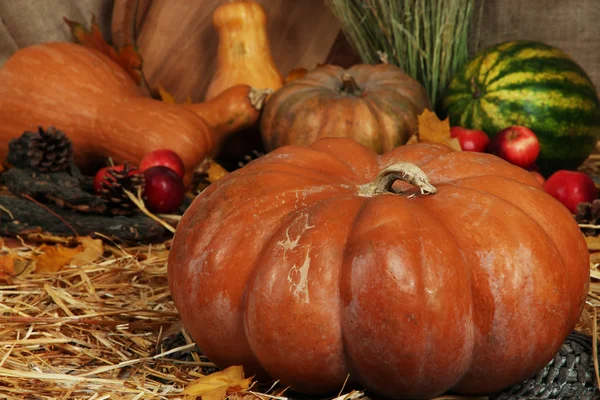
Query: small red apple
[(470, 139), (164, 190), (516, 144), (571, 188), (165, 158)]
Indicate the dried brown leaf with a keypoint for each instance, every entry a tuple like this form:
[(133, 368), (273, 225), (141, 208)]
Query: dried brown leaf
[(434, 130), (218, 385), (92, 251), (54, 258), (11, 266), (127, 56)]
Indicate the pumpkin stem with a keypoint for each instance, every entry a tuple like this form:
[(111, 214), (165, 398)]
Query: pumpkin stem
[(401, 171), (349, 85)]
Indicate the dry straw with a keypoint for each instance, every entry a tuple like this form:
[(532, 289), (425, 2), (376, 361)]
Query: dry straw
[(428, 39)]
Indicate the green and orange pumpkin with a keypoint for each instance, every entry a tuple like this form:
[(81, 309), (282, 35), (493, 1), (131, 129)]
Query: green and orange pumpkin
[(376, 105)]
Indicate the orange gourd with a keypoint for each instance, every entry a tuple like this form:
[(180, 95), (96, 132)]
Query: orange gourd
[(86, 94), (376, 105), (314, 263), (244, 55)]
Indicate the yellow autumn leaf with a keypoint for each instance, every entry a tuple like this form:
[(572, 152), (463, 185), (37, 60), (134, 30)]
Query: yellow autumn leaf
[(168, 98), (434, 130), (215, 171), (92, 249), (218, 385), (165, 96), (54, 258), (11, 265)]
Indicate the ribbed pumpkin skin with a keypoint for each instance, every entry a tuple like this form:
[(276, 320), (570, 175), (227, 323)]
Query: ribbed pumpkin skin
[(281, 267), (534, 85), (381, 116)]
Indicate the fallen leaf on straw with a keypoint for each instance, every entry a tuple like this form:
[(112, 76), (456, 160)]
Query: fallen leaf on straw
[(54, 258), (218, 385), (434, 130), (11, 266), (92, 250)]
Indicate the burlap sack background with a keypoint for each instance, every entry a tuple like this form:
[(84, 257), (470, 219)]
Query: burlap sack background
[(573, 25), (26, 22)]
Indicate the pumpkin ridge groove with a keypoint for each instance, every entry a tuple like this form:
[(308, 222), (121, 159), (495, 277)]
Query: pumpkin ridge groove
[(381, 142), (270, 245), (533, 222), (345, 273), (525, 214), (472, 178)]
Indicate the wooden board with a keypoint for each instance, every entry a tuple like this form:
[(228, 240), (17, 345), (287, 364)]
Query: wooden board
[(178, 42)]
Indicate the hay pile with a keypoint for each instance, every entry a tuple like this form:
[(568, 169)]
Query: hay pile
[(92, 331)]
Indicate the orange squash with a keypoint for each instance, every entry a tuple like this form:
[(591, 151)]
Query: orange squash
[(86, 94), (314, 263), (244, 54)]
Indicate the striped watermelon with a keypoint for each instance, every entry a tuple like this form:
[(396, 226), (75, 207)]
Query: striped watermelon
[(534, 85)]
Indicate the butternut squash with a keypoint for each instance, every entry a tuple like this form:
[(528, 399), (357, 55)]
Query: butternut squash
[(244, 54), (86, 94)]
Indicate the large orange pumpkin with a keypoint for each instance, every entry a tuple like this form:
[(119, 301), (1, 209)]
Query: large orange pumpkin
[(312, 263), (376, 105)]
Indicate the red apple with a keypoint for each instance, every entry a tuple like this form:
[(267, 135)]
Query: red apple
[(516, 144), (164, 190), (538, 176), (470, 139), (571, 188), (165, 158)]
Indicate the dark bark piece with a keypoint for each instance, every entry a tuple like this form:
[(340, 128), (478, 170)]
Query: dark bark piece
[(62, 188), (29, 217)]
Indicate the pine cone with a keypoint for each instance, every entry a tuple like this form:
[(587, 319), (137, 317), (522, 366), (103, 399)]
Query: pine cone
[(113, 189), (44, 151), (589, 214)]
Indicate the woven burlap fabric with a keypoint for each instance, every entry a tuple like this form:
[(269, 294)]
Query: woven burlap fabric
[(573, 25), (26, 22)]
